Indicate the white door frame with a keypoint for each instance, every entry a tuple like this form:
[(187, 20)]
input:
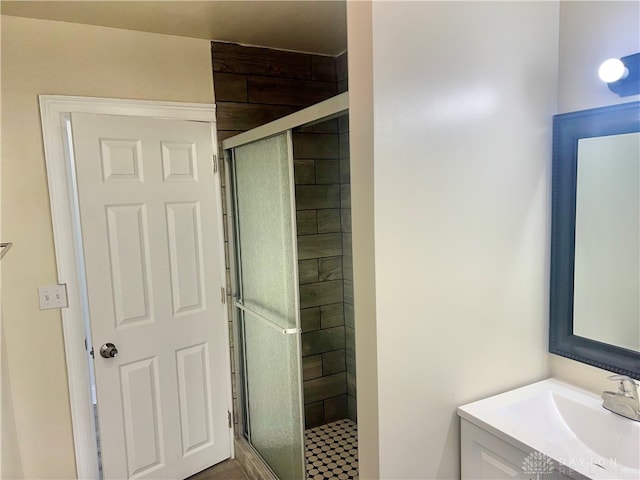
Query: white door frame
[(54, 111)]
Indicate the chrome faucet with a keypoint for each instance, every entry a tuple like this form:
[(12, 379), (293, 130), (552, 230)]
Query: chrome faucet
[(625, 401)]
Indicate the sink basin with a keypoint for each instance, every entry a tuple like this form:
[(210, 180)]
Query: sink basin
[(611, 436), (565, 423)]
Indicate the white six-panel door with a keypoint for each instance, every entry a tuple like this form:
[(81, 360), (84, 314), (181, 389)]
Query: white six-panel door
[(151, 249)]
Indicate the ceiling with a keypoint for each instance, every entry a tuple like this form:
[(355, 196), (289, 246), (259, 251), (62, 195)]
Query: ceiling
[(313, 26)]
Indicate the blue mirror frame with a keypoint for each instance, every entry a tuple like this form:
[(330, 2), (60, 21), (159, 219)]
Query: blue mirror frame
[(568, 128)]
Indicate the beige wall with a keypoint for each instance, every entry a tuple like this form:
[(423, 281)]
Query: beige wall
[(362, 201), (456, 318), (591, 32), (44, 57), (10, 463), (463, 95)]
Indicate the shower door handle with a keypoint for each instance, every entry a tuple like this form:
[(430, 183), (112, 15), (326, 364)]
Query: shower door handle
[(266, 321)]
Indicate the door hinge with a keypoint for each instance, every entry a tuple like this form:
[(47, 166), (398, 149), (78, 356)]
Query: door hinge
[(229, 418), (223, 295), (215, 163), (86, 347)]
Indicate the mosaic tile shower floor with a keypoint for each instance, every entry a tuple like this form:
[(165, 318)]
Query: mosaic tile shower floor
[(332, 451)]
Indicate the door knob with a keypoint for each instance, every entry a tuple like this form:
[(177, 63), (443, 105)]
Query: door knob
[(108, 350)]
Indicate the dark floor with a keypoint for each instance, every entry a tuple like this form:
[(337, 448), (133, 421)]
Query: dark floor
[(227, 470)]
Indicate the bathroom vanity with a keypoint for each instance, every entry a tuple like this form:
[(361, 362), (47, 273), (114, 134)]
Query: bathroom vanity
[(547, 430)]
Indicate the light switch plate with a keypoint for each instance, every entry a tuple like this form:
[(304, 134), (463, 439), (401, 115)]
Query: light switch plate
[(53, 296)]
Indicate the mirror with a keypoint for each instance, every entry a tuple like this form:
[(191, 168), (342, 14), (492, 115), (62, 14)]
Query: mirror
[(595, 238), (607, 246)]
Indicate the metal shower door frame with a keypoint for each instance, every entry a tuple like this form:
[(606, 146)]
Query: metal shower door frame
[(330, 108)]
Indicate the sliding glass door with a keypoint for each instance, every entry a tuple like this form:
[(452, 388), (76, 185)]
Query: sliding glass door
[(267, 301)]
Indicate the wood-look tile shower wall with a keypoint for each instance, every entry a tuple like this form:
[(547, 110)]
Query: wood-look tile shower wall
[(321, 162), (254, 86)]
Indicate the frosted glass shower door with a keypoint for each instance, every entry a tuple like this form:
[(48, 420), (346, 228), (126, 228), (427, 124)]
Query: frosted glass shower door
[(267, 303)]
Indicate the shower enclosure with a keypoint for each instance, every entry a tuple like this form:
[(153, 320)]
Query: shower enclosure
[(293, 302)]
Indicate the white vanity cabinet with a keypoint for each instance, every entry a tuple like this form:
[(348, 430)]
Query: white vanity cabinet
[(485, 456)]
